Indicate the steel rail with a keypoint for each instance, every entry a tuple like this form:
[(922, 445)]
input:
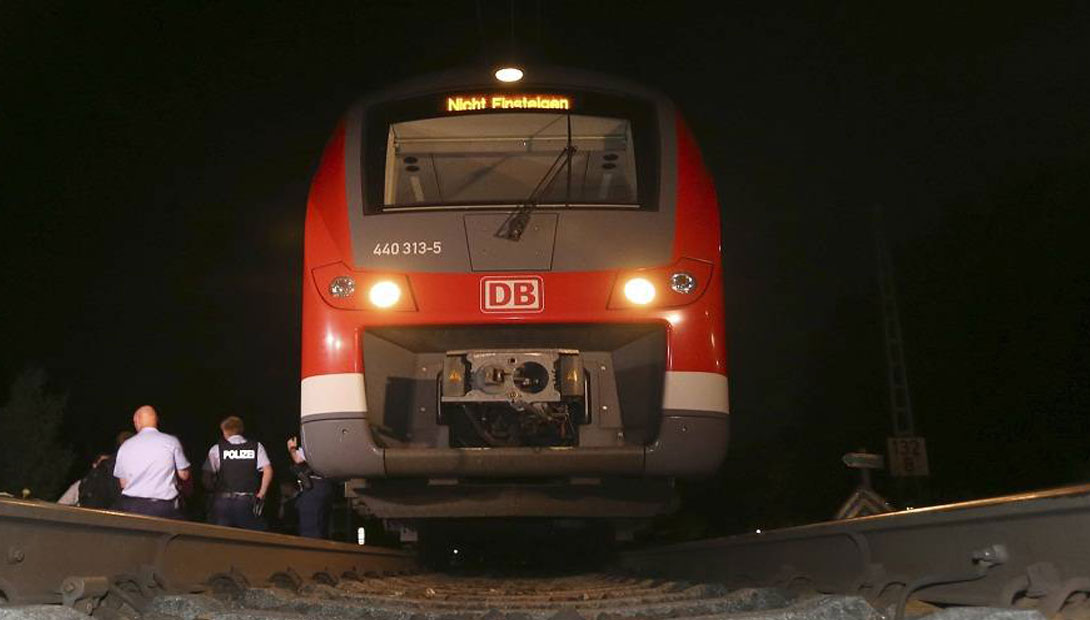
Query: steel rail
[(1030, 549), (54, 554)]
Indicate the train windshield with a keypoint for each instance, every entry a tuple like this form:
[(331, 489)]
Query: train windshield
[(504, 159)]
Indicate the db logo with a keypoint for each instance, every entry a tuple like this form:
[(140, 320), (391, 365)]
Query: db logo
[(526, 294)]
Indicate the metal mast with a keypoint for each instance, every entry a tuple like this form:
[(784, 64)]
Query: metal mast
[(899, 400)]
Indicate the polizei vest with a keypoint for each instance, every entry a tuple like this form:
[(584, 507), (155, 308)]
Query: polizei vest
[(238, 468)]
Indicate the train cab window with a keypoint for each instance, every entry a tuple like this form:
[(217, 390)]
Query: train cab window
[(503, 159)]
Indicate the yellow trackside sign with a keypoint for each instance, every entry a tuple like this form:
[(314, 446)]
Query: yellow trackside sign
[(469, 103)]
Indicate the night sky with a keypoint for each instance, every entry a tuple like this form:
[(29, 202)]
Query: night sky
[(155, 164)]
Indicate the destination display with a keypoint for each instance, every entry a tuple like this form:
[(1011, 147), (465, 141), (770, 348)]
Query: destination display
[(472, 103)]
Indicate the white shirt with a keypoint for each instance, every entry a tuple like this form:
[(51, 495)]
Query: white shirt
[(148, 461), (71, 496), (212, 463)]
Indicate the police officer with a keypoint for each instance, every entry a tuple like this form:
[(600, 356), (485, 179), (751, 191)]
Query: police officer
[(148, 467), (315, 499), (231, 472)]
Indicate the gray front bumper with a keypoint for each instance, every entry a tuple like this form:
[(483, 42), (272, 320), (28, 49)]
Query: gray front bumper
[(689, 444)]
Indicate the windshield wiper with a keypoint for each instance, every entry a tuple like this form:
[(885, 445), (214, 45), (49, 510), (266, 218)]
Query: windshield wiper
[(515, 224)]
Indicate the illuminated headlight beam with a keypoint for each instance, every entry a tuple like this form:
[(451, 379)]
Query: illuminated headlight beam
[(639, 291), (384, 294)]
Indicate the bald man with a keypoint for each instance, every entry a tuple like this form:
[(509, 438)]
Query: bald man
[(148, 466)]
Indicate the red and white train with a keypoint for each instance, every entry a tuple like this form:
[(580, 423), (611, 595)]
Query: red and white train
[(512, 301)]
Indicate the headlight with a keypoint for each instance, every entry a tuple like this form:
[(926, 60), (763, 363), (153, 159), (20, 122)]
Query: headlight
[(639, 291), (342, 286), (683, 282), (384, 294)]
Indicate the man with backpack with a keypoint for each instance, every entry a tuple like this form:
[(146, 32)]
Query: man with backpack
[(99, 488), (86, 491), (238, 473)]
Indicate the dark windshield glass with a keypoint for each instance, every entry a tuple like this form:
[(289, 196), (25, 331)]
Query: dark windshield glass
[(498, 159), (491, 150)]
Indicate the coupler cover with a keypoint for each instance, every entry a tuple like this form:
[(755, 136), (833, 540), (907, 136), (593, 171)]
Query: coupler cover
[(514, 376)]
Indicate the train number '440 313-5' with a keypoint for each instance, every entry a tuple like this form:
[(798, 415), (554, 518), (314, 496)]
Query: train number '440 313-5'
[(399, 248)]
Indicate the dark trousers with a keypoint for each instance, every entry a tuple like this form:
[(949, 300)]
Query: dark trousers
[(314, 505), (235, 512), (165, 508)]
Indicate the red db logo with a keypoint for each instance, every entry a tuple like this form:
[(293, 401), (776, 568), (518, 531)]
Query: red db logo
[(526, 294)]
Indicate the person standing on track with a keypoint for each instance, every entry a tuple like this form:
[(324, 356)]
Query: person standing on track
[(148, 467), (231, 472), (315, 499)]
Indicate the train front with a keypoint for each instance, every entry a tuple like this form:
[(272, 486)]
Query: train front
[(512, 302)]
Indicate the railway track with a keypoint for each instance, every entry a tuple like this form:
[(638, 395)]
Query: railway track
[(591, 596), (1022, 556), (68, 564), (1026, 551), (77, 557)]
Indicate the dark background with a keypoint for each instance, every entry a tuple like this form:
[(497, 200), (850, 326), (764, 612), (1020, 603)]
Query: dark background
[(154, 165)]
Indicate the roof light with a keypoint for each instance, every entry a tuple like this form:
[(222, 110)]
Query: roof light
[(508, 74)]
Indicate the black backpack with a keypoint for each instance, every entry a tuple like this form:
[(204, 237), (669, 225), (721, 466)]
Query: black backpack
[(99, 488)]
